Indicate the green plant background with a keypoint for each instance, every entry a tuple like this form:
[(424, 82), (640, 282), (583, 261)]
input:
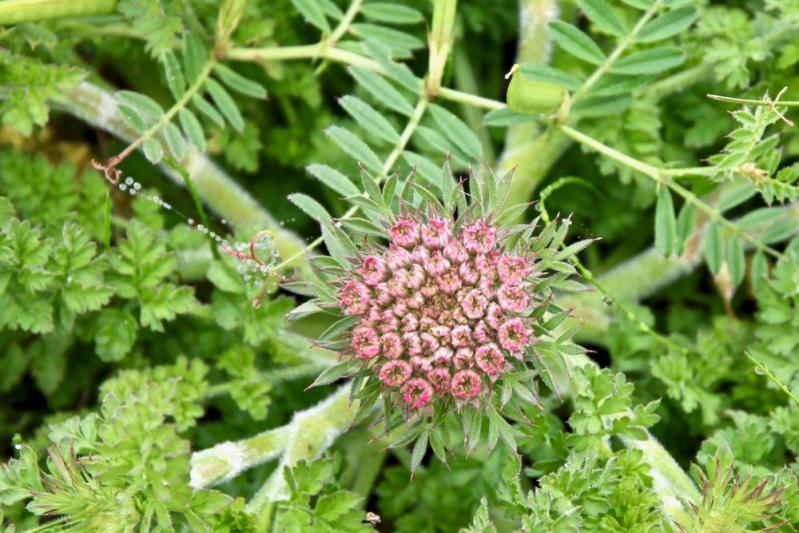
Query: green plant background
[(137, 373)]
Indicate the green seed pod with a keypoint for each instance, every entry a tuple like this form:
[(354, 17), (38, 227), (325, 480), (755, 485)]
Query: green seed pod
[(530, 97)]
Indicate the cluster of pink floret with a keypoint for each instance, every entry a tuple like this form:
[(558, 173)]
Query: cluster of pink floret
[(440, 312)]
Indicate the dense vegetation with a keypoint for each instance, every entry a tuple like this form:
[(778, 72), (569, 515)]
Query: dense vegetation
[(221, 220)]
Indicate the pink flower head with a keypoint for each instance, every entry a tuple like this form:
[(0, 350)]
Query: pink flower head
[(440, 378), (461, 336), (464, 358), (373, 270), (354, 298), (466, 384), (479, 238), (364, 342), (474, 304), (416, 393), (397, 258), (405, 232), (512, 269), (438, 312), (512, 298), (436, 233), (437, 264), (391, 345), (489, 359), (513, 335), (395, 373)]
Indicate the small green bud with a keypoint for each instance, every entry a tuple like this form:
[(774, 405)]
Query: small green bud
[(531, 97)]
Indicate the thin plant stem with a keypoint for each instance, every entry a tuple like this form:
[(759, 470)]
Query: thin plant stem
[(657, 175), (405, 137), (759, 365)]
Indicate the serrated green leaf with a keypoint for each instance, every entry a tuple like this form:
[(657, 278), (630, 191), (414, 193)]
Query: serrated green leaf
[(115, 334), (649, 61), (369, 119), (457, 131), (665, 223), (667, 25), (576, 43), (418, 452), (355, 147), (601, 13), (381, 90), (192, 129), (225, 104)]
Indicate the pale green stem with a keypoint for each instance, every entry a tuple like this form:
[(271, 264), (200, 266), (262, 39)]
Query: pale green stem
[(99, 108), (392, 158), (315, 51), (656, 174), (534, 48), (344, 24), (439, 43), (310, 433), (617, 52), (18, 11)]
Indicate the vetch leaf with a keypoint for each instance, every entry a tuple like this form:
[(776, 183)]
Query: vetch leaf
[(175, 141), (225, 104), (141, 103), (153, 150), (192, 129), (381, 90), (132, 118), (312, 13), (239, 83), (457, 131), (174, 75), (667, 25), (355, 147), (649, 61), (208, 110), (665, 222), (392, 38), (575, 42), (736, 260), (600, 13), (309, 206), (714, 247), (369, 119), (685, 225), (194, 56), (333, 179), (392, 13)]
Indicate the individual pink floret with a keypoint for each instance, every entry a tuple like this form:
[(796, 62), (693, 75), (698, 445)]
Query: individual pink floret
[(466, 384), (395, 373), (416, 393)]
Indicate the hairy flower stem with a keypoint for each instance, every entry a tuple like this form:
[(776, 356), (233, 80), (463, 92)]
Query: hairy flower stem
[(18, 11)]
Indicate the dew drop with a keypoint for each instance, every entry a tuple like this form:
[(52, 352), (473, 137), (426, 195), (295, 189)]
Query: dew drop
[(190, 221), (122, 187), (137, 185), (128, 181)]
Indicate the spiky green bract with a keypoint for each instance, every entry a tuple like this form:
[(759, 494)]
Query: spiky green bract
[(448, 385)]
